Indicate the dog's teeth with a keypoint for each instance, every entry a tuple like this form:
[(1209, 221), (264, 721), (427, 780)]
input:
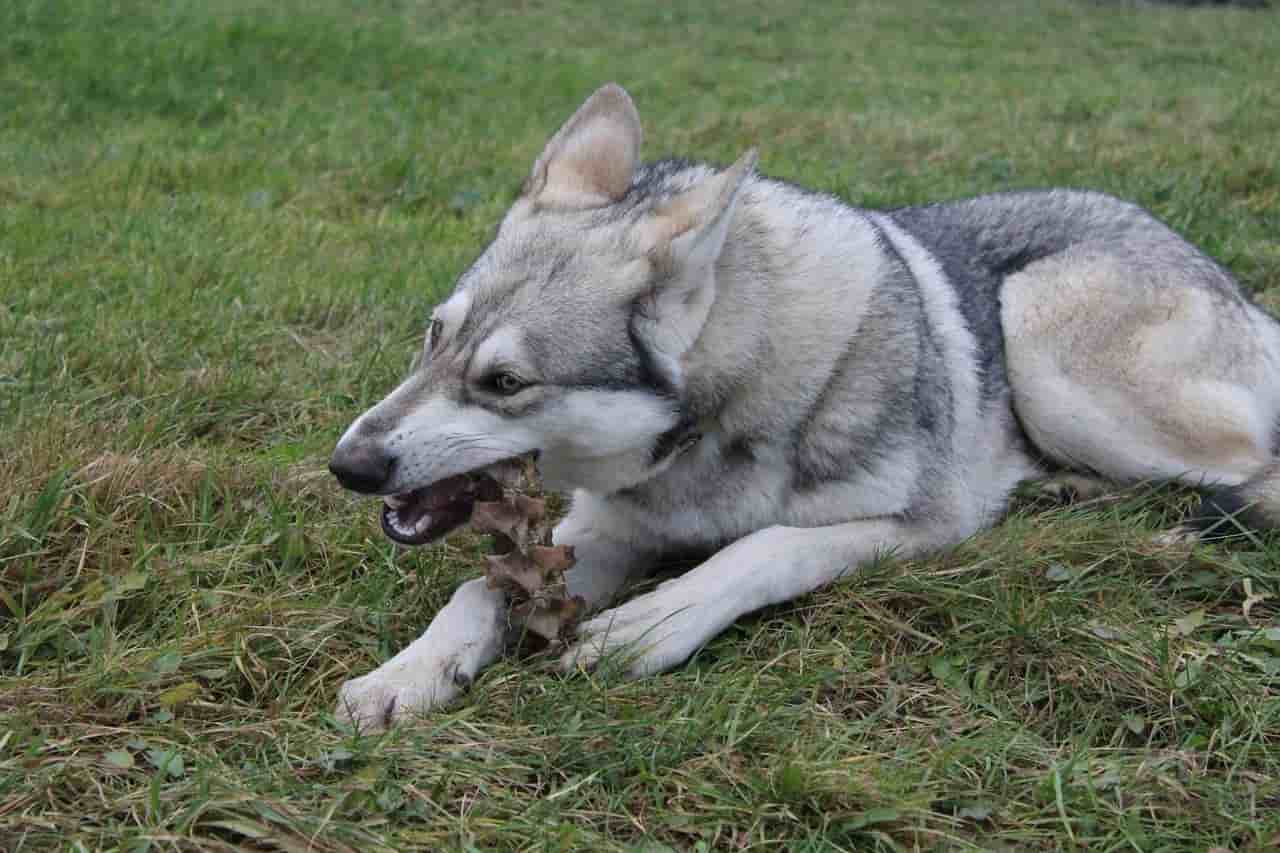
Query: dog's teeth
[(393, 518), (422, 525)]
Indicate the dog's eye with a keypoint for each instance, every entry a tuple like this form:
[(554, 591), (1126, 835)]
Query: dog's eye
[(433, 335), (505, 383)]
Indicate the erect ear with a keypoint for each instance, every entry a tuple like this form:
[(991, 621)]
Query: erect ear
[(691, 228), (590, 161), (685, 237)]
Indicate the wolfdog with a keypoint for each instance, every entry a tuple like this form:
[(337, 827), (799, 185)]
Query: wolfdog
[(719, 363)]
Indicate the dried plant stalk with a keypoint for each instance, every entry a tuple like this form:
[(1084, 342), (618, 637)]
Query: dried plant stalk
[(527, 566)]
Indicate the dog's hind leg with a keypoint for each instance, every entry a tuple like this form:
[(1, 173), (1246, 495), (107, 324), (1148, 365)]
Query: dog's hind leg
[(1228, 510), (1071, 488), (1143, 372)]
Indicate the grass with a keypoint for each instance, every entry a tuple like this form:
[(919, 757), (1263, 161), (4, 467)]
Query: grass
[(222, 225)]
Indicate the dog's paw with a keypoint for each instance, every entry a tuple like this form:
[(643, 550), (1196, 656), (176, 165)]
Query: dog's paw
[(647, 635), (1071, 488), (374, 702), (1183, 536)]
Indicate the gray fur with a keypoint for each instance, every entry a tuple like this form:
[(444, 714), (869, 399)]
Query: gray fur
[(981, 241), (717, 362), (876, 398)]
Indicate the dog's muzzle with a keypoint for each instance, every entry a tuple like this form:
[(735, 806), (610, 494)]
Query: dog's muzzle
[(425, 514), (362, 467)]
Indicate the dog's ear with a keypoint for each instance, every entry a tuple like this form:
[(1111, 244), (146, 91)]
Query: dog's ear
[(590, 161), (684, 237), (690, 229)]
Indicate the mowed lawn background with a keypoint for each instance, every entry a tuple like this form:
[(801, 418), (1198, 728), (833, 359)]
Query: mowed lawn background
[(222, 227)]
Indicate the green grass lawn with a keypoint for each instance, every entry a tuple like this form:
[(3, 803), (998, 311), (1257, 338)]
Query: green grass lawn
[(222, 226)]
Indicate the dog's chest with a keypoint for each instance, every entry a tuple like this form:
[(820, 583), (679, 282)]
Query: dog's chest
[(714, 493)]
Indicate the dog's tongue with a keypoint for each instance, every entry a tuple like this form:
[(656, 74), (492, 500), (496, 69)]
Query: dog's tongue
[(428, 513)]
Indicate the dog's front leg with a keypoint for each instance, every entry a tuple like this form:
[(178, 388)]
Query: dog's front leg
[(606, 559), (661, 629), (467, 635), (470, 632)]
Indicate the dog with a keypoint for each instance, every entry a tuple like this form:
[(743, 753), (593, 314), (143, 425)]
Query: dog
[(716, 362)]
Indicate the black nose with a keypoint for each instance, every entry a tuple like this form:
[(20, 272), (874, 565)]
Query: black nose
[(362, 467)]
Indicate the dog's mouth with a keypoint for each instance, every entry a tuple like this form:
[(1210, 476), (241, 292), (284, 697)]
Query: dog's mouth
[(422, 515)]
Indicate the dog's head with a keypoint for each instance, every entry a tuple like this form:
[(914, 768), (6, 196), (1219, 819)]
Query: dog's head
[(565, 339)]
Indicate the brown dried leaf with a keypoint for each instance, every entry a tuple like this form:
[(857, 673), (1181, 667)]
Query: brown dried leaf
[(552, 619), (517, 519), (552, 559), (516, 573), (532, 509), (527, 566), (499, 517)]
